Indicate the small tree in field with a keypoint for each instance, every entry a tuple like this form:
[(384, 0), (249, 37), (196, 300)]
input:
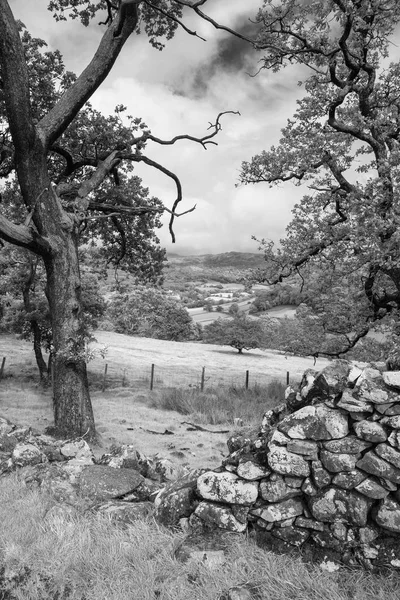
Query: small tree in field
[(240, 332)]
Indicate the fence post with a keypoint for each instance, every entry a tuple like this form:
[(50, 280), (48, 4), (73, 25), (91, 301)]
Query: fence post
[(247, 379), (104, 378), (152, 377), (203, 373), (287, 377), (3, 362)]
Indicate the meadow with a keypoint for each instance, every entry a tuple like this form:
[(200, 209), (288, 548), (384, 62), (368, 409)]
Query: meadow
[(49, 553)]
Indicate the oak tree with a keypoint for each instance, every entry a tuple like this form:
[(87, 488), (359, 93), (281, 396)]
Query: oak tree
[(51, 147), (239, 332), (342, 147)]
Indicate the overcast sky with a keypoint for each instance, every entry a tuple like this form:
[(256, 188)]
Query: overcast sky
[(180, 90)]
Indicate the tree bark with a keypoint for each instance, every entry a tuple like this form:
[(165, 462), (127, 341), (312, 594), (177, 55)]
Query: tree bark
[(73, 414)]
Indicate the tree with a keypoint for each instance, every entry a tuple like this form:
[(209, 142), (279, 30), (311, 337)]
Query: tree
[(148, 312), (343, 144), (61, 154), (240, 332), (234, 308)]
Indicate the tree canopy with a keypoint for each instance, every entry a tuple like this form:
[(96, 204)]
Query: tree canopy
[(342, 147), (240, 332)]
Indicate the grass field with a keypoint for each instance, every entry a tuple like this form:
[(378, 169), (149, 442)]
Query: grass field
[(48, 553)]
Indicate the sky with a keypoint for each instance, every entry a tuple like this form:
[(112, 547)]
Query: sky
[(180, 91)]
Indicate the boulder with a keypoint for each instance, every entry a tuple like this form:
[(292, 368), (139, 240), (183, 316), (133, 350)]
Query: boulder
[(347, 445), (279, 511), (276, 489), (373, 464), (101, 482), (337, 463), (388, 453), (349, 480), (218, 515), (27, 454), (178, 499), (371, 431), (315, 423), (226, 487), (251, 470), (287, 463), (388, 515), (337, 504)]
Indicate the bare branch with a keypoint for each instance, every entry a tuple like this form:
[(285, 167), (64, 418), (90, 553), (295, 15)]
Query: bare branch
[(163, 12)]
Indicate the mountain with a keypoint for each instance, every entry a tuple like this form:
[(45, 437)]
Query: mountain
[(228, 267)]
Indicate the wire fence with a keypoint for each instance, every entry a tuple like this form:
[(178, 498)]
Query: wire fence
[(153, 377)]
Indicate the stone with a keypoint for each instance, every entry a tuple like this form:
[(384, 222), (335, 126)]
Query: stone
[(326, 539), (352, 404), (307, 390), (250, 470), (309, 524), (332, 380), (382, 408), (279, 438), (370, 431), (291, 535), (101, 482), (339, 531), (394, 439), (347, 445), (373, 464), (392, 410), (353, 375), (367, 534), (27, 454), (218, 515), (372, 489), (388, 453), (293, 482), (276, 490), (76, 449), (178, 499), (124, 512), (309, 488), (304, 447), (349, 480), (280, 511), (336, 463), (226, 487), (388, 515), (293, 399), (321, 476), (315, 423), (240, 512), (287, 463), (392, 379), (239, 592), (393, 422), (370, 387), (337, 504)]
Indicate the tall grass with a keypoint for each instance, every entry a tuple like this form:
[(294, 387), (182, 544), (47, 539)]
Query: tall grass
[(221, 405), (48, 555)]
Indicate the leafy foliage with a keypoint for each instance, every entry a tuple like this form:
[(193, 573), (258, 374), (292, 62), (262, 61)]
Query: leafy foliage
[(343, 144), (148, 312), (240, 332)]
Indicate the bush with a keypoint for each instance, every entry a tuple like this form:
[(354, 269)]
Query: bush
[(148, 312)]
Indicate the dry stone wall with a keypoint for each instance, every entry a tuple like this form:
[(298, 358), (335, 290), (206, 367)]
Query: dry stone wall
[(321, 474)]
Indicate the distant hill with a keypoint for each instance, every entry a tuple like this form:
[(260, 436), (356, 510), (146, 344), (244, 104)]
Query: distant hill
[(228, 267)]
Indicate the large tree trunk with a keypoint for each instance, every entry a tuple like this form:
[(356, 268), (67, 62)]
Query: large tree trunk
[(73, 414)]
